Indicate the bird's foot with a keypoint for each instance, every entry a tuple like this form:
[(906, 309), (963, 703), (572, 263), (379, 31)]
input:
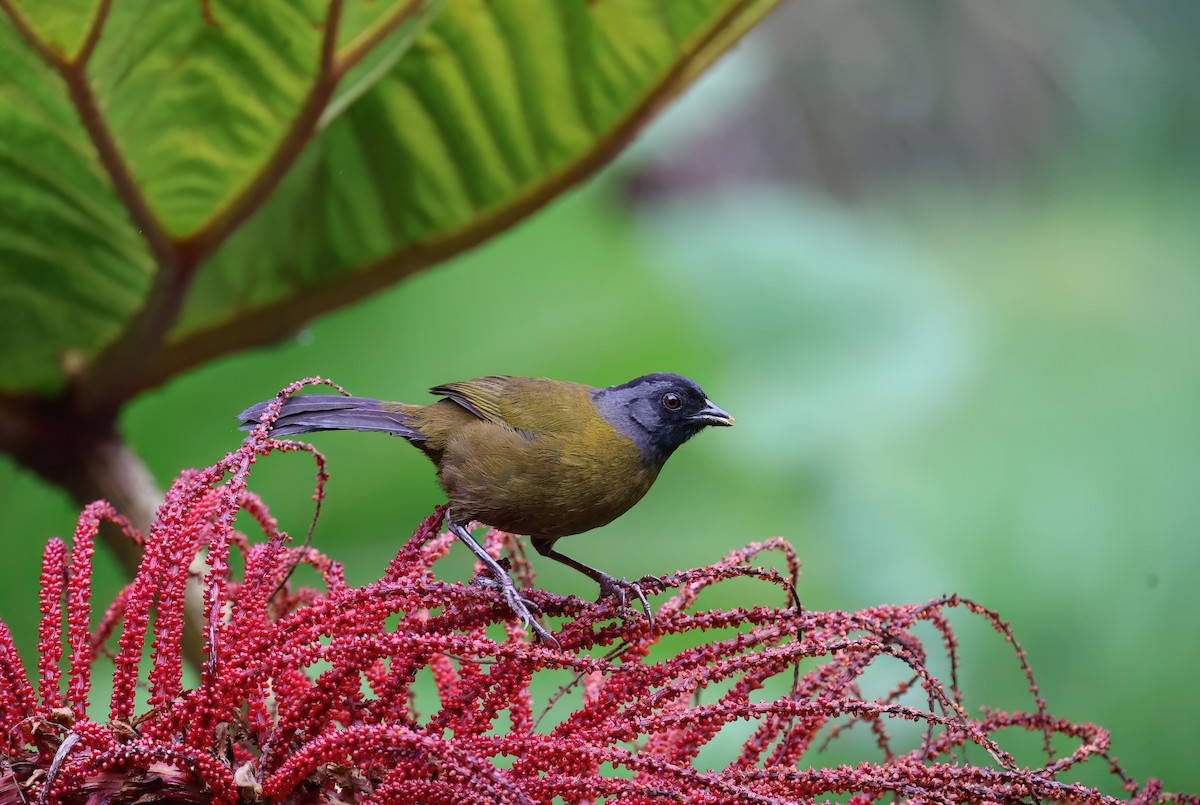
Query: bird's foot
[(612, 587), (484, 580), (521, 606)]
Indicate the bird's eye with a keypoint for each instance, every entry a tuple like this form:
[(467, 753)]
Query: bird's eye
[(671, 401)]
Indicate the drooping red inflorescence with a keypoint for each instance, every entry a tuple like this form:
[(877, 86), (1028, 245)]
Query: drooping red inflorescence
[(413, 689)]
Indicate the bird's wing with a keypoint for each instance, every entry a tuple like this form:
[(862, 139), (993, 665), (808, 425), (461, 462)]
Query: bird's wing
[(528, 405), (480, 396)]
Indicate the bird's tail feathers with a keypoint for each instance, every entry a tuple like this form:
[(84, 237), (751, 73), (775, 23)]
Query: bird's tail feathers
[(304, 413)]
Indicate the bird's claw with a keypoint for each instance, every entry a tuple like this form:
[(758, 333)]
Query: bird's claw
[(521, 606), (492, 584), (612, 587)]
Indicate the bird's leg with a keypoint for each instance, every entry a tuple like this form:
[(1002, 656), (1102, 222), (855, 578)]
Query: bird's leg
[(610, 586), (516, 602)]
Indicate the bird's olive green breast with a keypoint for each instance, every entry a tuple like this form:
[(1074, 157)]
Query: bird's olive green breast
[(541, 461)]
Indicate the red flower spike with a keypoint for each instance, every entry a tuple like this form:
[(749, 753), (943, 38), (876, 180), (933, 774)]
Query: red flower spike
[(50, 636), (17, 700), (309, 694), (79, 601)]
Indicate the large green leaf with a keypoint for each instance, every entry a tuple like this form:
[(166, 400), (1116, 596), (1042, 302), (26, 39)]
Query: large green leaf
[(179, 180)]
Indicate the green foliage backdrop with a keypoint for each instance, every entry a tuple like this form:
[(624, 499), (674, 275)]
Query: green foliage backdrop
[(971, 380)]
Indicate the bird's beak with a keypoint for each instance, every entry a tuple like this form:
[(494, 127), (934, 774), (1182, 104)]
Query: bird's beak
[(712, 415)]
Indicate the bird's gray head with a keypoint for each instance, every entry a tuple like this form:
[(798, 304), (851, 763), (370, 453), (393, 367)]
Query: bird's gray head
[(659, 412)]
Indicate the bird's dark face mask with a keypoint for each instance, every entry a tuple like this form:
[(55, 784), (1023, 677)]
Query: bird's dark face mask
[(659, 412)]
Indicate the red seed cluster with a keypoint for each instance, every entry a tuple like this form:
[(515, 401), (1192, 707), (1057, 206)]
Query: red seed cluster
[(414, 690)]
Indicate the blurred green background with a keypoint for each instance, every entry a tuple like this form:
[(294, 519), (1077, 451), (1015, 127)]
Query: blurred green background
[(940, 261)]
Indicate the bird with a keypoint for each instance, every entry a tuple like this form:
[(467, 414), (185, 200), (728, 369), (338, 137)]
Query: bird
[(532, 456)]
